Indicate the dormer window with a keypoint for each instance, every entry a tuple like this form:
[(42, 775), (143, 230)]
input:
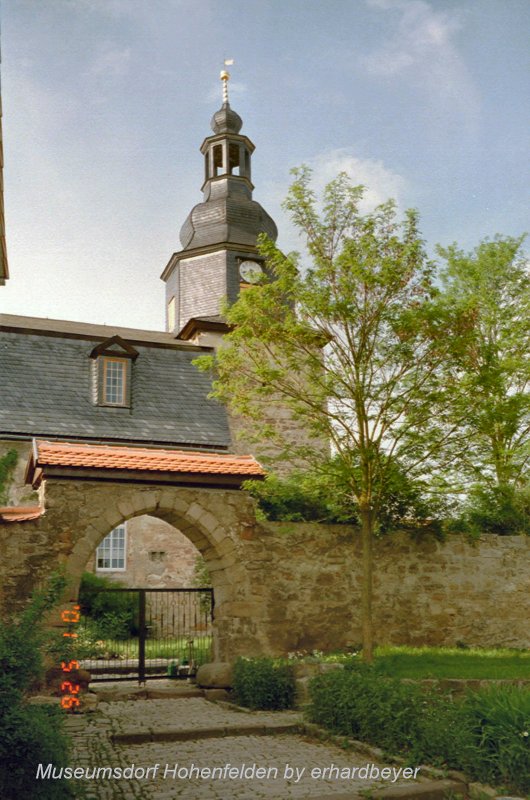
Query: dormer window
[(113, 372), (114, 389)]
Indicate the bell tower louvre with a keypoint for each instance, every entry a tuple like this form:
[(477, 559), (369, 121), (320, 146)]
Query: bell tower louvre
[(218, 238)]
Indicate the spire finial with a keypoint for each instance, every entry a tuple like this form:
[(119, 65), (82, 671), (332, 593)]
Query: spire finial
[(225, 77)]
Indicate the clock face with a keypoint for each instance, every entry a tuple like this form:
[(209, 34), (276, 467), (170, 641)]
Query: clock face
[(251, 271)]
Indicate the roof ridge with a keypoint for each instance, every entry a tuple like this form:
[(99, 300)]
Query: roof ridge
[(141, 449)]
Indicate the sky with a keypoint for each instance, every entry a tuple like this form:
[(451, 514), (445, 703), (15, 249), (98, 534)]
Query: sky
[(106, 103)]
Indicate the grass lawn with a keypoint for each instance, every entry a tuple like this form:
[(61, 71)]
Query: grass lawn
[(172, 648), (444, 662)]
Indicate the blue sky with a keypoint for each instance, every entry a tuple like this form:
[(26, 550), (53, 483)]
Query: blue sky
[(106, 103)]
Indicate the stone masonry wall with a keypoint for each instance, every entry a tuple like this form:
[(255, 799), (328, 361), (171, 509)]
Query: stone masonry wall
[(425, 591), (281, 588)]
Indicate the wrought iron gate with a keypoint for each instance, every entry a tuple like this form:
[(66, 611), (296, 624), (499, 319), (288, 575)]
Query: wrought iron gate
[(145, 633)]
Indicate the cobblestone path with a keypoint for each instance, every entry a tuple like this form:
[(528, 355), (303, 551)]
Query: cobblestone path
[(133, 735)]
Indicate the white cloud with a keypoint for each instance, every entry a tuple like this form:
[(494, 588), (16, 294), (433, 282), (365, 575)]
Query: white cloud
[(380, 182), (423, 49)]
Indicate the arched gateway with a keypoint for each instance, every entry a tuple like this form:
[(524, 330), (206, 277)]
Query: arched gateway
[(87, 490)]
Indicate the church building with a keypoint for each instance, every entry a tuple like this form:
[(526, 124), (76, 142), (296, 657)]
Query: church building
[(84, 396)]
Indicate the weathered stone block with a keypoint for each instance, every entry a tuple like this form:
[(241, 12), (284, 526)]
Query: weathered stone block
[(330, 666), (89, 703), (208, 522), (113, 516), (301, 697), (126, 508), (195, 511), (180, 505), (216, 675), (43, 700), (139, 502), (225, 546), (302, 670), (245, 609)]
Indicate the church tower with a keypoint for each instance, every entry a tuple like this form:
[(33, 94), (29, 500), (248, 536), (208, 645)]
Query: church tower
[(219, 253)]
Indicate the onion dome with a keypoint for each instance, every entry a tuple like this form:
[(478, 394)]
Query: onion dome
[(226, 121)]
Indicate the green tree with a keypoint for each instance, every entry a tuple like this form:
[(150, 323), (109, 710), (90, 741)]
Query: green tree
[(352, 347), (324, 495), (491, 288)]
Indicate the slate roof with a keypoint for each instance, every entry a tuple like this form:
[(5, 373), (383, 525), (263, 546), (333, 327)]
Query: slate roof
[(140, 458), (227, 215), (86, 330), (196, 324), (226, 120), (46, 387)]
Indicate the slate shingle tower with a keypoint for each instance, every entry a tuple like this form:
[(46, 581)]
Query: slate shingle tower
[(220, 233)]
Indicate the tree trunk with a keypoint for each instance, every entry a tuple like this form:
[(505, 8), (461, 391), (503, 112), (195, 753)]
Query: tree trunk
[(367, 520)]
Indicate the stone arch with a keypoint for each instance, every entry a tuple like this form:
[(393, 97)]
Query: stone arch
[(212, 519)]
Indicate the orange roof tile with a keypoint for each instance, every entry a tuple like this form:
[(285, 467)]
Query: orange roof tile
[(20, 513), (145, 459)]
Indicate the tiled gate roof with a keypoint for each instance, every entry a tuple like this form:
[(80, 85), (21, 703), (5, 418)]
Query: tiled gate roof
[(75, 456)]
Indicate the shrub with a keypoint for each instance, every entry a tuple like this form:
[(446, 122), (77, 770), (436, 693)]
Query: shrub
[(24, 640), (201, 573), (500, 720), (114, 625), (502, 509), (201, 579), (115, 613), (300, 497), (486, 733), (29, 734), (325, 496), (264, 683), (361, 704)]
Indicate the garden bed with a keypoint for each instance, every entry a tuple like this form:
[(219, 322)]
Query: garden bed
[(484, 733)]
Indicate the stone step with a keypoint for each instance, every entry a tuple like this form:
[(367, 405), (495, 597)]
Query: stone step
[(156, 690), (431, 790), (180, 734)]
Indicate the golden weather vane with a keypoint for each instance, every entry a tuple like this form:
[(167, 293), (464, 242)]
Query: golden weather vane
[(225, 77)]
